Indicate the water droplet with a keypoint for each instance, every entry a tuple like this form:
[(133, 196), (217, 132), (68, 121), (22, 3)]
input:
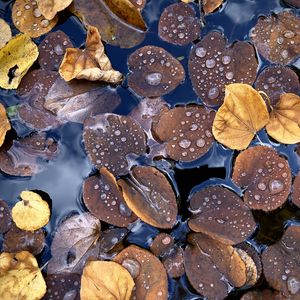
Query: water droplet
[(280, 40), (213, 93), (200, 143), (229, 75), (200, 52), (19, 13), (284, 54), (293, 285), (289, 34), (271, 79), (37, 13), (262, 186), (210, 63), (221, 221), (276, 186), (27, 6), (180, 18), (181, 35), (117, 132), (132, 266), (45, 23), (154, 79), (184, 143), (124, 210), (226, 59), (58, 50), (194, 127)]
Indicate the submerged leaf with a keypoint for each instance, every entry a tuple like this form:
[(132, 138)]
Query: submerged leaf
[(284, 124), (16, 57), (5, 33), (4, 124), (49, 8), (90, 63), (241, 116), (105, 280)]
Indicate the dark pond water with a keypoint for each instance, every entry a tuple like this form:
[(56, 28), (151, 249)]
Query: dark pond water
[(62, 178)]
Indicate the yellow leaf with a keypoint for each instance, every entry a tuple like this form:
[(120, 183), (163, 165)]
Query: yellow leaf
[(4, 124), (20, 277), (5, 33), (284, 124), (90, 63), (16, 57), (103, 280), (242, 114), (210, 5), (32, 212), (49, 8)]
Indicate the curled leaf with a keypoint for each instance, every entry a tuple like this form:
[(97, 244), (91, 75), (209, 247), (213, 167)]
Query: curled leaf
[(5, 33), (16, 57), (103, 280), (4, 124), (90, 63), (241, 116), (49, 8)]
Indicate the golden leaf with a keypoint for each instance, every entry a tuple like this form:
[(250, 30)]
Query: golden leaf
[(5, 33), (16, 57), (49, 8), (284, 124), (90, 63), (20, 277), (104, 280), (4, 124), (210, 5), (32, 212), (242, 114)]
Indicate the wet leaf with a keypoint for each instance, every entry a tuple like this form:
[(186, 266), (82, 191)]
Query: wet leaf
[(266, 176), (281, 261), (16, 240), (296, 190), (74, 242), (49, 8), (16, 57), (29, 19), (185, 132), (90, 63), (103, 280), (4, 124), (154, 72), (213, 64), (162, 244), (284, 124), (5, 33), (111, 139), (32, 212), (112, 25), (150, 277), (221, 214), (174, 263), (181, 18), (241, 116), (102, 197), (20, 277), (295, 3), (5, 217), (148, 193), (263, 295), (111, 238), (276, 37), (210, 5)]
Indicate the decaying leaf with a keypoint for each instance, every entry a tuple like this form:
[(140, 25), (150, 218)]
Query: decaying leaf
[(241, 116), (20, 277), (5, 33), (210, 5), (284, 123), (29, 19), (90, 63), (32, 212), (4, 124), (49, 8), (105, 280), (16, 57)]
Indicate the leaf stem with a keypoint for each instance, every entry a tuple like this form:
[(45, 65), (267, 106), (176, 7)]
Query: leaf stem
[(268, 99)]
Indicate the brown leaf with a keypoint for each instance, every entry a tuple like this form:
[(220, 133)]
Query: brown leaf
[(295, 3), (162, 244), (5, 33), (90, 63), (296, 190), (241, 116), (140, 4), (4, 124), (49, 8), (5, 217), (174, 263), (284, 123), (263, 295)]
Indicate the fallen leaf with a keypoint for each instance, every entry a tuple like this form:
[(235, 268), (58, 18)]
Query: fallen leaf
[(295, 3), (5, 217), (90, 63), (20, 277), (284, 123), (139, 4), (263, 295), (105, 280), (210, 5), (49, 8), (242, 114), (4, 124), (5, 33), (32, 212), (296, 191), (16, 57)]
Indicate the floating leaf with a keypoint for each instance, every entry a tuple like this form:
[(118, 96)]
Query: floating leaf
[(284, 124), (16, 57), (74, 242), (150, 277), (5, 33), (4, 124), (148, 193), (29, 19), (213, 64), (154, 72), (49, 8), (5, 217), (276, 37), (178, 24), (162, 244), (266, 176), (90, 63), (102, 197), (221, 214), (111, 238), (20, 277), (32, 212), (296, 191), (103, 280), (210, 5), (241, 116), (174, 263), (263, 295)]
